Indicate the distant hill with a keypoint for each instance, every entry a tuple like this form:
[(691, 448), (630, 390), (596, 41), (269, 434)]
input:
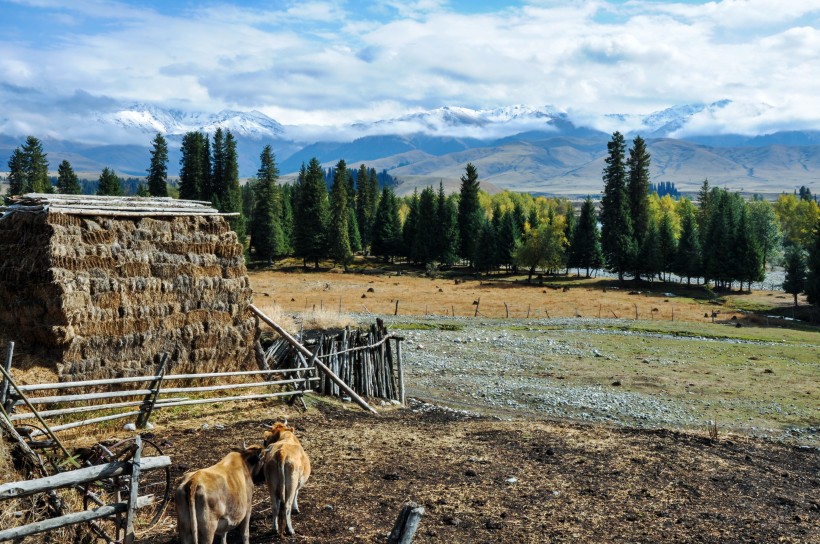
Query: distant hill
[(535, 149)]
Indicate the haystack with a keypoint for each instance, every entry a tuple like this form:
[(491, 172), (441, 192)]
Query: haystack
[(102, 286)]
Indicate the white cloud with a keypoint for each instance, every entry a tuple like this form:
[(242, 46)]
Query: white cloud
[(322, 63)]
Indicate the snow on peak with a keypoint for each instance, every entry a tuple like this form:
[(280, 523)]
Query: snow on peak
[(151, 119)]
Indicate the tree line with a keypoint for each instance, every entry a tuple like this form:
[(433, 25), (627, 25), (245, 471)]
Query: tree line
[(636, 230)]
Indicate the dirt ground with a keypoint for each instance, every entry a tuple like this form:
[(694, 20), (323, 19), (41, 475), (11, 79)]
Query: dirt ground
[(484, 480)]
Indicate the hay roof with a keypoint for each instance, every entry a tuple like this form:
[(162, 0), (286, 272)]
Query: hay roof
[(116, 206)]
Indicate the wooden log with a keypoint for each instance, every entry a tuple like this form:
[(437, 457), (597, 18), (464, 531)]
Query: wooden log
[(406, 524), (4, 386), (71, 478), (69, 519), (85, 422), (133, 379), (401, 372), (229, 386), (82, 409), (86, 396), (227, 399), (134, 490), (315, 361)]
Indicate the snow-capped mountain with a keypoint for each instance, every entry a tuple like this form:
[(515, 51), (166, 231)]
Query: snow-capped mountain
[(453, 120), (520, 147), (151, 119)]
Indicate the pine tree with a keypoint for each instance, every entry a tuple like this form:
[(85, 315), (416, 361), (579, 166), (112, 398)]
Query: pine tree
[(795, 268), (312, 214), (533, 219), (507, 237), (195, 167), (36, 167), (470, 214), (286, 219), (386, 226), (17, 176), (650, 254), (668, 244), (447, 238), (67, 181), (408, 230), (225, 193), (28, 169), (812, 285), (747, 255), (353, 234), (704, 211), (338, 227), (425, 244), (158, 170), (486, 255), (265, 229), (109, 183), (217, 188), (638, 188), (365, 209), (617, 240), (688, 255), (586, 243)]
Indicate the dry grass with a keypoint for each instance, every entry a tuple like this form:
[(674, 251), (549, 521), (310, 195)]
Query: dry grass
[(313, 319), (303, 292)]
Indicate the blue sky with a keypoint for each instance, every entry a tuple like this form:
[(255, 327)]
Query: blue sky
[(326, 63)]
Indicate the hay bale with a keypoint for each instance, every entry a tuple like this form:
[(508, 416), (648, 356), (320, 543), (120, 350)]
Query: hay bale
[(102, 295)]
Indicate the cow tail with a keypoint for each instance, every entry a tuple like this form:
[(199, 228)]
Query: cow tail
[(282, 488), (192, 511)]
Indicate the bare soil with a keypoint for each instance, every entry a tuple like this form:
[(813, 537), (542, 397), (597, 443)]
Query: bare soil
[(483, 479)]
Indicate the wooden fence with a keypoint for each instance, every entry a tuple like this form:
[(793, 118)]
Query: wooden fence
[(139, 402), (368, 362), (79, 477)]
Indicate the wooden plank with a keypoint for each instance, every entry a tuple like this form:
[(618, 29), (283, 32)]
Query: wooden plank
[(71, 478), (401, 372), (82, 409), (85, 422), (87, 396), (230, 386), (134, 491), (102, 212), (4, 387), (134, 379), (226, 399), (69, 519)]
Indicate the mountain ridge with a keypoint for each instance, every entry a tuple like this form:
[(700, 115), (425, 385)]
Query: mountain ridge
[(539, 149)]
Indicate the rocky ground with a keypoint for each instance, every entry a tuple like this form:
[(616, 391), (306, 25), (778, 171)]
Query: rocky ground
[(507, 367)]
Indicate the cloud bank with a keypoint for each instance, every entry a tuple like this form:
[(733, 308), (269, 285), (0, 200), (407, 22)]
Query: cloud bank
[(330, 63)]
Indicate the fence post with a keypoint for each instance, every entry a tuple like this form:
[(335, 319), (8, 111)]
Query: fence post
[(4, 386), (134, 495), (151, 398), (406, 524), (400, 369)]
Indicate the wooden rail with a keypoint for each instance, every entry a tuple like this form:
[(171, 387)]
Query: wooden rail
[(83, 476)]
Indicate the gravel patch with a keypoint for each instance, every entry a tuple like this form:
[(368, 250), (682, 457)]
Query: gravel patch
[(488, 365)]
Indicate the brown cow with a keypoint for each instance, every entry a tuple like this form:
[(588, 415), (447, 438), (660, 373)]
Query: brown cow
[(214, 500), (287, 468)]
